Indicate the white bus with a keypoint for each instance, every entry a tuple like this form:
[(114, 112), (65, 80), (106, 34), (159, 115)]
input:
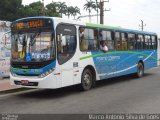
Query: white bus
[(50, 52)]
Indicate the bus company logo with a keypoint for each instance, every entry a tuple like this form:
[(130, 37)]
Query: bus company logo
[(108, 58)]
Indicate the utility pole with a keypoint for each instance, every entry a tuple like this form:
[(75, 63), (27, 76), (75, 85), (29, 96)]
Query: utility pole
[(42, 8), (101, 7), (142, 25)]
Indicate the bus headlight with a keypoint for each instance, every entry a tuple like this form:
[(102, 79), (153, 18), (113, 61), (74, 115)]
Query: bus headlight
[(46, 73), (13, 74)]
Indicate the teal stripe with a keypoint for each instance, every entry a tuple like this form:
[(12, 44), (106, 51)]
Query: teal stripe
[(117, 52)]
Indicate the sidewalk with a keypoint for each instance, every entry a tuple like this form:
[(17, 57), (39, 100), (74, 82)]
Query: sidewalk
[(5, 85)]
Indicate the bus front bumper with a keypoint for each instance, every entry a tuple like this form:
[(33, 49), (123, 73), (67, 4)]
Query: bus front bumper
[(50, 81)]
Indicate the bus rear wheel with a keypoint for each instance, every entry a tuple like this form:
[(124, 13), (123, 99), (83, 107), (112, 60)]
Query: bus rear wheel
[(87, 80), (140, 70)]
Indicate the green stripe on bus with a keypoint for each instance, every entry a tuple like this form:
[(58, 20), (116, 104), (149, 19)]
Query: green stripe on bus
[(117, 52), (20, 69), (100, 26)]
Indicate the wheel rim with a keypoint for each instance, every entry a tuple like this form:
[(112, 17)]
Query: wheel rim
[(87, 80)]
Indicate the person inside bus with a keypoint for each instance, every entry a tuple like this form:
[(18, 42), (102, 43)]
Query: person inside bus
[(103, 46), (83, 42)]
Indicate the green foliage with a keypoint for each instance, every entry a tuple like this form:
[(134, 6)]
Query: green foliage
[(33, 9), (90, 5), (51, 9), (11, 10)]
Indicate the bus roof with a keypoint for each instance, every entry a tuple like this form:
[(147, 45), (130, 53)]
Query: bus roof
[(118, 29), (93, 25)]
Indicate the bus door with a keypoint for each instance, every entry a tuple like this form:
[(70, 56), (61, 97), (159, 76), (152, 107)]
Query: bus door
[(66, 47)]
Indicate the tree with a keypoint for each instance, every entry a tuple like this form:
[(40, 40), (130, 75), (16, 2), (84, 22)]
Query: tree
[(51, 9), (9, 9), (89, 6), (35, 9), (76, 11), (13, 9), (70, 11), (61, 7)]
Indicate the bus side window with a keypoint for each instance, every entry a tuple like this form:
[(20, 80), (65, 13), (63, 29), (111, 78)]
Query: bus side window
[(148, 43), (106, 35), (154, 42), (88, 39), (140, 42), (118, 41), (124, 41), (83, 42), (131, 41)]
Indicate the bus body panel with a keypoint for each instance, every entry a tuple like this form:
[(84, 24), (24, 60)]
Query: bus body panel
[(113, 64)]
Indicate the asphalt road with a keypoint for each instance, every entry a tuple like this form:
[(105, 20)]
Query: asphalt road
[(118, 95)]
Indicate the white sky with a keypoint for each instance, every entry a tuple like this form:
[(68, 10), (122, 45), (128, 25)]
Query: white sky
[(124, 13)]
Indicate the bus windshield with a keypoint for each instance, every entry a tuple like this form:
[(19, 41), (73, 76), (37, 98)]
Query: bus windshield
[(32, 40), (36, 46)]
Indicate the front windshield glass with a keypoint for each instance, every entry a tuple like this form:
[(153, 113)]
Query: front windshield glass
[(32, 46)]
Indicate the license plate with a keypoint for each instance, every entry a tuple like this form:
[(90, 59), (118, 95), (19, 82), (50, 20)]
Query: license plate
[(24, 82)]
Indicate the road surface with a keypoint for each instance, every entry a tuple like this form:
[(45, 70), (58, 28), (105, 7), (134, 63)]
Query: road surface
[(118, 95)]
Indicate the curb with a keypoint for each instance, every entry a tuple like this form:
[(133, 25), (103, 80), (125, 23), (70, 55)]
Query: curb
[(14, 90)]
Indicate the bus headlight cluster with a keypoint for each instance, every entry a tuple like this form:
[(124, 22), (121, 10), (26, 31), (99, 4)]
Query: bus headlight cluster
[(13, 74), (46, 73)]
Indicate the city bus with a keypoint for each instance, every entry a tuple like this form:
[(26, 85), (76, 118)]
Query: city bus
[(51, 52)]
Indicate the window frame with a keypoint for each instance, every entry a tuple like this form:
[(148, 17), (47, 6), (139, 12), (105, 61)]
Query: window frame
[(156, 42), (141, 41), (95, 39), (112, 41), (133, 42), (126, 37)]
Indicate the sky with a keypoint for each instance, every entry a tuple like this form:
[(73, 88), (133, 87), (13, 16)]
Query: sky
[(124, 13)]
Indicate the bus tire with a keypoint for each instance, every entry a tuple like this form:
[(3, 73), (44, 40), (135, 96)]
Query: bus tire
[(87, 80), (140, 70)]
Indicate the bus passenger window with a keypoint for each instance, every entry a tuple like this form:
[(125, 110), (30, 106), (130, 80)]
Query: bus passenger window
[(131, 41), (140, 42), (83, 42), (118, 41), (106, 36), (154, 42), (88, 39), (148, 43), (124, 41)]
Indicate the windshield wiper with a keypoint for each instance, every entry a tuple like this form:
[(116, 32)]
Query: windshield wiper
[(32, 37)]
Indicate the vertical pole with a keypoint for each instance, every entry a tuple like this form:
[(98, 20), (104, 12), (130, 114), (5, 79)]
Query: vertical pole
[(97, 15), (89, 15), (97, 11), (101, 11), (142, 25), (43, 8)]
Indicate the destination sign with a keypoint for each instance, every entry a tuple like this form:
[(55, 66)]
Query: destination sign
[(32, 23)]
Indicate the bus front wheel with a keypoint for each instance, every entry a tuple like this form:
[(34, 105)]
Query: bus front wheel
[(87, 80), (140, 70)]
